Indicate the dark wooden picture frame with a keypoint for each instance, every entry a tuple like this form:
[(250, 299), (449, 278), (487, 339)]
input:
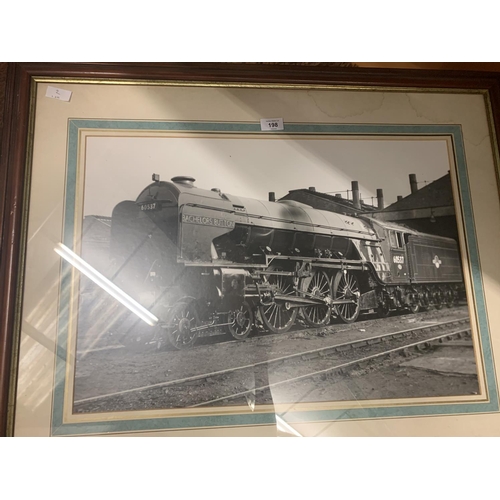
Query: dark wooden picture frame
[(15, 156)]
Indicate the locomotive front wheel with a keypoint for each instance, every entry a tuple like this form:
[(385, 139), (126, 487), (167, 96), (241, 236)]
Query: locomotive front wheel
[(318, 285), (182, 320), (345, 287), (276, 317), (241, 322)]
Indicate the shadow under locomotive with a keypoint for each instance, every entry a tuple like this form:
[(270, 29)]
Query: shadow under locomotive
[(206, 262)]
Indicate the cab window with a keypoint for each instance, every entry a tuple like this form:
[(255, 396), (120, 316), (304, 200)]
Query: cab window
[(400, 239), (393, 239), (396, 239)]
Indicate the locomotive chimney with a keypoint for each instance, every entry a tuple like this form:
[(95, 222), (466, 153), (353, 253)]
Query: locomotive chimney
[(413, 183), (355, 194), (272, 196), (380, 198), (399, 197), (338, 195), (184, 179), (312, 188)]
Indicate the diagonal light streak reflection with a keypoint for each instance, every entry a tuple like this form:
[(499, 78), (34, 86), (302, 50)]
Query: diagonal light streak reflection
[(107, 285)]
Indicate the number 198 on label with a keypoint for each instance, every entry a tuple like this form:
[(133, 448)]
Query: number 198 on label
[(271, 124)]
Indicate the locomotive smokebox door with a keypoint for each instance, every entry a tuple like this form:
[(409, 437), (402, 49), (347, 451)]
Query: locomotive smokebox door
[(233, 288)]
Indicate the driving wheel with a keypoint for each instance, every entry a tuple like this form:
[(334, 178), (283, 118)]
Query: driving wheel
[(316, 286), (277, 317), (345, 287)]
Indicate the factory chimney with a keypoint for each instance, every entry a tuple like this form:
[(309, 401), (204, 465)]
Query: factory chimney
[(380, 199), (413, 183), (399, 197), (355, 194), (272, 196)]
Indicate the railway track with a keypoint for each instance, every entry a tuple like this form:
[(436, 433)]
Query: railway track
[(231, 384), (297, 330), (334, 367)]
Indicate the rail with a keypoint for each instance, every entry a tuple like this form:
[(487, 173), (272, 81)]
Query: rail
[(309, 354)]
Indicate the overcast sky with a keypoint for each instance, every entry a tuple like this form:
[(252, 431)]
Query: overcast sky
[(118, 168)]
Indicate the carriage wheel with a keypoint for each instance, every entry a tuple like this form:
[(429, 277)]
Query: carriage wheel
[(424, 300), (182, 319), (275, 316), (449, 298), (438, 300), (414, 306), (319, 286), (345, 287), (241, 322)]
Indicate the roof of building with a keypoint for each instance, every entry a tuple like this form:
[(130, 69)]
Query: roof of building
[(328, 197), (436, 194)]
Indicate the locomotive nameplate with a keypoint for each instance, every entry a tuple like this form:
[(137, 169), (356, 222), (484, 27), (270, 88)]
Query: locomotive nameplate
[(207, 221)]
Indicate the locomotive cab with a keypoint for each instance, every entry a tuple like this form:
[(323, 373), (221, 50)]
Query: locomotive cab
[(398, 241)]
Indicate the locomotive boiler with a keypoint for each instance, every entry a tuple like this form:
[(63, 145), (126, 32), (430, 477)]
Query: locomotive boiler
[(205, 261)]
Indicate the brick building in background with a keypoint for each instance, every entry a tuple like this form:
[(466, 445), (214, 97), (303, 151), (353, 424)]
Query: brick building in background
[(429, 209), (336, 203)]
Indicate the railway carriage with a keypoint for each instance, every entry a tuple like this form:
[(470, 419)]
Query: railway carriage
[(205, 261)]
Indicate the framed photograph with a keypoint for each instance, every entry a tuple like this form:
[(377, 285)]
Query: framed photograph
[(231, 249)]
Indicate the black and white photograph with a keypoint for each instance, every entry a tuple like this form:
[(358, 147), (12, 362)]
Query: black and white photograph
[(262, 270), (237, 250)]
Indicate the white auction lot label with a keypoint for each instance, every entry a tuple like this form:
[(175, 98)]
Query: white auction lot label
[(271, 124), (60, 94)]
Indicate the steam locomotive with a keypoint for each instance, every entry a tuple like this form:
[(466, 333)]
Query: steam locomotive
[(205, 261)]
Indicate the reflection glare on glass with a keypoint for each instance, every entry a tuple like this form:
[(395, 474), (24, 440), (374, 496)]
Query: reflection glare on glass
[(285, 427), (107, 285)]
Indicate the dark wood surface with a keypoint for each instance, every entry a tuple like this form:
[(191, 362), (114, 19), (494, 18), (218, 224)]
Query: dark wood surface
[(13, 176), (3, 77)]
